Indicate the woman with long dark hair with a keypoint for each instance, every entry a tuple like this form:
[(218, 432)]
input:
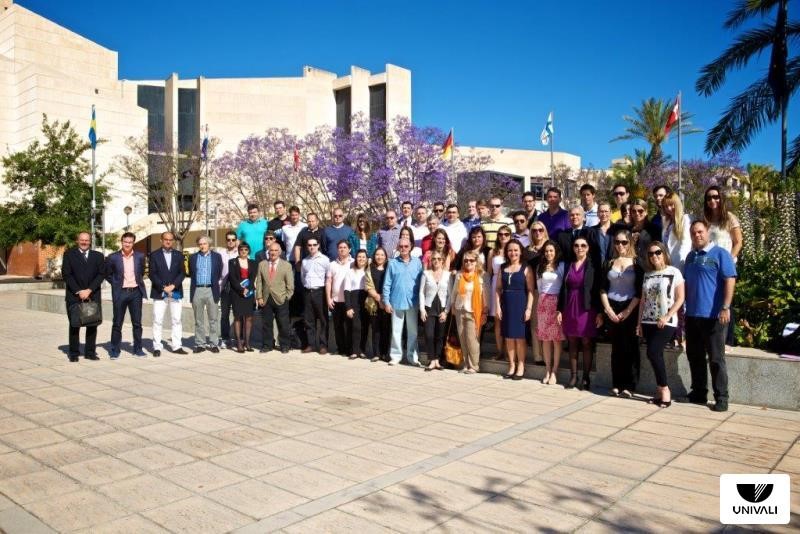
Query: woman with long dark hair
[(242, 276), (549, 278), (514, 306), (578, 304), (362, 237), (621, 286), (724, 228), (476, 242), (440, 242), (379, 320), (355, 295)]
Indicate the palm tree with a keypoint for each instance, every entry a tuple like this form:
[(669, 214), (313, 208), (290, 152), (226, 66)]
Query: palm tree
[(763, 102), (648, 123)]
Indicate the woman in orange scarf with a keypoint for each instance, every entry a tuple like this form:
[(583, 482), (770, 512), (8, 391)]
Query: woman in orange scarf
[(470, 307)]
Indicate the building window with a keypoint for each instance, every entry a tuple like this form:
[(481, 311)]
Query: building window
[(343, 107), (188, 136), (377, 102), (151, 98)]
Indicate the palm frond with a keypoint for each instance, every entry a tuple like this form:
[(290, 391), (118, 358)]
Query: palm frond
[(747, 113), (750, 43), (746, 9), (793, 155)]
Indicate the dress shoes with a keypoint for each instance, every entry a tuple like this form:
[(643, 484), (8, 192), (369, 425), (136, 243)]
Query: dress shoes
[(323, 350), (73, 359), (196, 350), (156, 353), (180, 351), (307, 350), (720, 406), (139, 353), (113, 354), (214, 349), (285, 351), (91, 357)]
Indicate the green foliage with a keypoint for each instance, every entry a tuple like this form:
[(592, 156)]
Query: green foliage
[(50, 198)]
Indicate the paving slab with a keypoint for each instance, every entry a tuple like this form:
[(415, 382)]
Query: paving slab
[(310, 443)]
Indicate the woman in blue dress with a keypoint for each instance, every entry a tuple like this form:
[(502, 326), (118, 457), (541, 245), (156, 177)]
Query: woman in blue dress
[(513, 305)]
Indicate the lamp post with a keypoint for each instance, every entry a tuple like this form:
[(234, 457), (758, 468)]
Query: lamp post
[(127, 210)]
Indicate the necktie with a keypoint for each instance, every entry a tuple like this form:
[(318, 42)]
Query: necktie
[(271, 271), (86, 256)]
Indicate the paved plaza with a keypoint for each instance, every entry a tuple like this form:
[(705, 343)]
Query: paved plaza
[(308, 443)]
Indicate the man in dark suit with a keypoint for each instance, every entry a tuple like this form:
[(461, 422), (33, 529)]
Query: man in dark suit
[(83, 272), (565, 238), (125, 273), (274, 290), (166, 275), (205, 272)]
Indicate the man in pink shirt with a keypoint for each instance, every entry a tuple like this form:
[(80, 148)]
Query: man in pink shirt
[(125, 273)]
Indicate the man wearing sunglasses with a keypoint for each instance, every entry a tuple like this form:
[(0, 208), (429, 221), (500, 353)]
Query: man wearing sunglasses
[(521, 232), (229, 252), (620, 194), (390, 233)]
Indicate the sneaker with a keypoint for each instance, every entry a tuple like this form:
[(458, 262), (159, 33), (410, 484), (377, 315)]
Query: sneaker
[(156, 353), (113, 354), (214, 349), (139, 353), (720, 406), (196, 350)]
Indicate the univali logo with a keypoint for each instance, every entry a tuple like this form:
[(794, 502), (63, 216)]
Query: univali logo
[(754, 499)]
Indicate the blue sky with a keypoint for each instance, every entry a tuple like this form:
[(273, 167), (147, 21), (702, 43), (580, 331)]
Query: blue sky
[(491, 70)]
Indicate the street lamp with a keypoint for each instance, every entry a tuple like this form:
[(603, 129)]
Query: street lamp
[(127, 210)]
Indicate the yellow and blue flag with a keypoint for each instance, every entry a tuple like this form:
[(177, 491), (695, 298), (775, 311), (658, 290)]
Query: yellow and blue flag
[(93, 131)]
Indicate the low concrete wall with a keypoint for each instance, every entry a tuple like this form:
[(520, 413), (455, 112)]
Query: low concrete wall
[(754, 377)]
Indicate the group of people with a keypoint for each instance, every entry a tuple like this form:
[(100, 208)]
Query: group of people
[(542, 278)]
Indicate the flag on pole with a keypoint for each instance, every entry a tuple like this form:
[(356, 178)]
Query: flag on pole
[(673, 116), (547, 132), (447, 147), (93, 130), (204, 145), (296, 159)]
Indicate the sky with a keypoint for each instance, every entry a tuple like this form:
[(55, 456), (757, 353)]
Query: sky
[(490, 70)]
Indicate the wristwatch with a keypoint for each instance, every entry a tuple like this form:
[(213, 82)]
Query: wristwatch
[(726, 307)]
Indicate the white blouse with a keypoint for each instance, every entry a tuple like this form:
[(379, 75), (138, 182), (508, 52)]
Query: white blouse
[(549, 283), (429, 288)]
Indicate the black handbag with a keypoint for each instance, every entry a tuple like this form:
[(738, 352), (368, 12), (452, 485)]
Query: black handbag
[(85, 313)]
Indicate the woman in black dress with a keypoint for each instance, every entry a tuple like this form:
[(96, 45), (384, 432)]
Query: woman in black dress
[(242, 276)]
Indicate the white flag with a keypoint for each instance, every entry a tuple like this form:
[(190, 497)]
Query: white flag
[(547, 132)]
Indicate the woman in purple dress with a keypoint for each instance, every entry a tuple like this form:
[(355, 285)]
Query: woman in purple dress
[(577, 305)]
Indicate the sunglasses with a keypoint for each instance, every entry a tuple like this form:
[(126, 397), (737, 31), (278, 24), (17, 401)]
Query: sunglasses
[(503, 234), (652, 253), (618, 242), (639, 211), (438, 210), (469, 261), (537, 230), (619, 193), (495, 205), (313, 244), (580, 245), (520, 221), (712, 197), (231, 240)]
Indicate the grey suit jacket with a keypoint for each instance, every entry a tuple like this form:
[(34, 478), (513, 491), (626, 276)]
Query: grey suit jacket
[(281, 288)]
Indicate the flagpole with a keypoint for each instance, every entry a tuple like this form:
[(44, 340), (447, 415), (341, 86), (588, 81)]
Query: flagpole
[(206, 172), (680, 161), (94, 200), (552, 165), (453, 159)]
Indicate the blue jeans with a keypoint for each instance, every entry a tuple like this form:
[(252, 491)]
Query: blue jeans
[(410, 317)]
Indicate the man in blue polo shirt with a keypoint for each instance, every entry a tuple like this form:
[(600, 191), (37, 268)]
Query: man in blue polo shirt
[(710, 277)]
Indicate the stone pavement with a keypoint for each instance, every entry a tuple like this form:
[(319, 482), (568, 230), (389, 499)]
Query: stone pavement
[(309, 443)]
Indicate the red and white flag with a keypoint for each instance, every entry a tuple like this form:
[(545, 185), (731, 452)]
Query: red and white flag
[(673, 117), (296, 159)]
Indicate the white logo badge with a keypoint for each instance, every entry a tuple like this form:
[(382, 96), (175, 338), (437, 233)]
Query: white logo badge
[(754, 499)]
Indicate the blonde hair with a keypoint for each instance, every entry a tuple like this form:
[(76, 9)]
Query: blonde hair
[(471, 254), (677, 220)]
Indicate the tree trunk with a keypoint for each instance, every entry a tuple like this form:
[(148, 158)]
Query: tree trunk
[(782, 241)]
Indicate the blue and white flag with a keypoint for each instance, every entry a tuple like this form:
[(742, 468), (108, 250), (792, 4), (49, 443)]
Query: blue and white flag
[(204, 146), (547, 132)]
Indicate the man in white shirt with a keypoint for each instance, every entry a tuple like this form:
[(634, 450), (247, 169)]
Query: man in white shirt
[(588, 204), (419, 227), (334, 292), (406, 211), (290, 231), (313, 275), (455, 229)]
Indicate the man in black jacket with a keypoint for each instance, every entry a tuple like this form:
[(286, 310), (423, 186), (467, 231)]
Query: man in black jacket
[(565, 238), (166, 275), (83, 274)]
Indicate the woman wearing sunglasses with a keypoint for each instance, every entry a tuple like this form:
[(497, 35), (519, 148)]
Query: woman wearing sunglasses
[(577, 305), (662, 297), (496, 260), (621, 286), (470, 305), (724, 229)]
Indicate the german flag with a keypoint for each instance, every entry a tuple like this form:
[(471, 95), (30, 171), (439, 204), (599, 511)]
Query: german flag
[(447, 147)]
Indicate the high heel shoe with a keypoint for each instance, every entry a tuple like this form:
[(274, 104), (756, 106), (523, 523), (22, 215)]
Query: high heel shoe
[(664, 404), (553, 380), (509, 374), (573, 379)]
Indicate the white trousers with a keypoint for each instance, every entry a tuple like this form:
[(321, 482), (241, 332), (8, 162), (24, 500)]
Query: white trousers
[(175, 311)]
